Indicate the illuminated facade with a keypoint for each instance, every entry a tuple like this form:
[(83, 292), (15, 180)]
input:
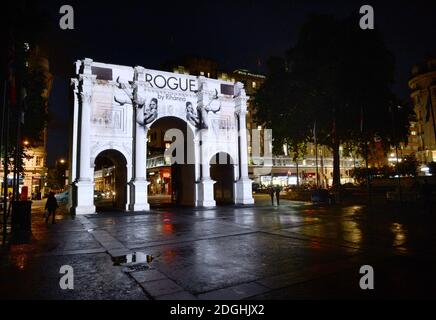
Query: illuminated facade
[(116, 106), (423, 95)]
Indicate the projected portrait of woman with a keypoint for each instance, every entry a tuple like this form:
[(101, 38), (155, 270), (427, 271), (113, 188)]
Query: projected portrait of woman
[(191, 115)]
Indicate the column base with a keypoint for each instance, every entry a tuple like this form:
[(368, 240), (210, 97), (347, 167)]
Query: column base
[(205, 194), (244, 192), (85, 210), (85, 198), (139, 196)]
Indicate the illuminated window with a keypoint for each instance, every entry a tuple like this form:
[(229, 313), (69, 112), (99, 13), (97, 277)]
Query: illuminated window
[(259, 127), (208, 74), (253, 84), (201, 73), (413, 133)]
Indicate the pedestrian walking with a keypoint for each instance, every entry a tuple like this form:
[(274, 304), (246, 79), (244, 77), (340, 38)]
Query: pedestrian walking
[(278, 195), (51, 205), (271, 194)]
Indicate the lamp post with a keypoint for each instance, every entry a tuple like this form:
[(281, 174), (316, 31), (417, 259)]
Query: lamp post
[(60, 171), (391, 109)]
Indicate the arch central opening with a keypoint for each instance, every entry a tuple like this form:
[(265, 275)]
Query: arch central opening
[(222, 172), (110, 181), (170, 168)]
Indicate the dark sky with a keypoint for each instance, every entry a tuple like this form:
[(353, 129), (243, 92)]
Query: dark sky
[(238, 34)]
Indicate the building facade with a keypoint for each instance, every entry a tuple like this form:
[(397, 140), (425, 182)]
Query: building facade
[(423, 95)]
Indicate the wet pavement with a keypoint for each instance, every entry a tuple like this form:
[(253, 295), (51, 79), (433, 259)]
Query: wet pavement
[(295, 251)]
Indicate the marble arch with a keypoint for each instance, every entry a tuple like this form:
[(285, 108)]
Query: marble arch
[(113, 108)]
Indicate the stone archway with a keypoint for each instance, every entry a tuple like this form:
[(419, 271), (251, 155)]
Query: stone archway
[(222, 172), (110, 180), (170, 171), (114, 106)]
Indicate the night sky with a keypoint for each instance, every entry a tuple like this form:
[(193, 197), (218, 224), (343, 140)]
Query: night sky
[(237, 34)]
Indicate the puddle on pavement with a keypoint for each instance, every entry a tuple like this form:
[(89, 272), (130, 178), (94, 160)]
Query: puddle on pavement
[(133, 261)]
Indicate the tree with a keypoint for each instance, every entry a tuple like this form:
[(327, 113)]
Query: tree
[(339, 76), (408, 166), (281, 112), (297, 150), (28, 112)]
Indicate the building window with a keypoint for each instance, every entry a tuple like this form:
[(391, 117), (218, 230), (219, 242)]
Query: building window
[(37, 161), (201, 73), (253, 84), (413, 133)]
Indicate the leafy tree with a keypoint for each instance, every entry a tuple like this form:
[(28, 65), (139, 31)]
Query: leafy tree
[(339, 76), (26, 25), (408, 166)]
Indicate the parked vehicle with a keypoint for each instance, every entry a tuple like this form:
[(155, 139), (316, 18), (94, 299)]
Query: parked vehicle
[(62, 197), (98, 195), (322, 196)]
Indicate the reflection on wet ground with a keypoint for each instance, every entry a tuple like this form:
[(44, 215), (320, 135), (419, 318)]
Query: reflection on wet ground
[(132, 258), (295, 250)]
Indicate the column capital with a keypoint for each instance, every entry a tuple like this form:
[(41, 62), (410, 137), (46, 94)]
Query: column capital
[(202, 83), (87, 66), (139, 74), (87, 80), (241, 110), (239, 90), (85, 97)]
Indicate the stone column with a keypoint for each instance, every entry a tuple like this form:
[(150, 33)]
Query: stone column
[(244, 193), (139, 183), (205, 186), (85, 183)]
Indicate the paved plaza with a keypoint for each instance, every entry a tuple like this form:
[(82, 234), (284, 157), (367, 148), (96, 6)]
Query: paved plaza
[(294, 251)]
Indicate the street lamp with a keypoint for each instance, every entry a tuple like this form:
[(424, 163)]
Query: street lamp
[(60, 169), (392, 110)]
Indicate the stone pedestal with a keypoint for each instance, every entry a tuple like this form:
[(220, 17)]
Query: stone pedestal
[(244, 192), (85, 197), (139, 189), (205, 194)]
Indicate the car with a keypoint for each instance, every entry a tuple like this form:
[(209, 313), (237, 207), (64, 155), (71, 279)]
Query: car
[(98, 195), (62, 197), (322, 196)]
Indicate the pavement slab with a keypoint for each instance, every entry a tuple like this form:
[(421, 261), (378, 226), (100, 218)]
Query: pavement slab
[(292, 251)]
